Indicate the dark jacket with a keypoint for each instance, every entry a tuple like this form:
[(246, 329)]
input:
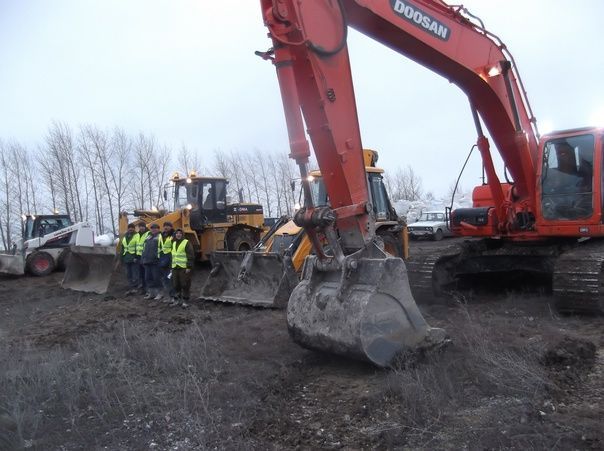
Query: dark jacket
[(150, 255), (189, 250)]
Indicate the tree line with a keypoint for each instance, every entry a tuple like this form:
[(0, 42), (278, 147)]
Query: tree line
[(93, 174)]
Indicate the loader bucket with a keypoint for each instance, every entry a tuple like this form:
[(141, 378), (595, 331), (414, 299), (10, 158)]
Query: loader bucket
[(12, 264), (366, 313), (251, 278), (89, 268)]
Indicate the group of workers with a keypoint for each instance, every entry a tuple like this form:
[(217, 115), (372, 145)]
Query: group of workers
[(158, 264)]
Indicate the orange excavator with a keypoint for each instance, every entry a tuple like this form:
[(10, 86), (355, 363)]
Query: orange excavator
[(546, 217)]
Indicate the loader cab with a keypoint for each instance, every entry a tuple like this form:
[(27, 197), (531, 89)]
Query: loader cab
[(380, 201), (204, 197), (37, 226), (567, 177), (382, 208)]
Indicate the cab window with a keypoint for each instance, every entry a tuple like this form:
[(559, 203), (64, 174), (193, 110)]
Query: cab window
[(378, 194), (50, 225), (567, 178), (185, 194), (208, 201)]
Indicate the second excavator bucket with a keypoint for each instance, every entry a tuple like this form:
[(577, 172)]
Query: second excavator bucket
[(89, 268), (253, 278), (361, 308), (12, 264)]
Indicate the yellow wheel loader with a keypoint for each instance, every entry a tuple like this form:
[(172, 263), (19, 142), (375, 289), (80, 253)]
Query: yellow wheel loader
[(200, 210), (266, 275)]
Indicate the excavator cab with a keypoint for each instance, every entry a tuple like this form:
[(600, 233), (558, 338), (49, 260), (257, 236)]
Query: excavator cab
[(567, 178)]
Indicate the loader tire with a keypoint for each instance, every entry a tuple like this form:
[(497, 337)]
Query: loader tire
[(392, 245), (241, 240), (40, 264)]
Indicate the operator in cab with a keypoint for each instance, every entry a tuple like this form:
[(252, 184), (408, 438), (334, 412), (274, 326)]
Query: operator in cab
[(567, 183)]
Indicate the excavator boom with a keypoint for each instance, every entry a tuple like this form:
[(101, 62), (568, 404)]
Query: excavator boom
[(354, 299)]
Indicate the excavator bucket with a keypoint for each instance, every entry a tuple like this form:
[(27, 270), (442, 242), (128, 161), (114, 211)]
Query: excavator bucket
[(12, 264), (364, 311), (253, 278), (89, 268)]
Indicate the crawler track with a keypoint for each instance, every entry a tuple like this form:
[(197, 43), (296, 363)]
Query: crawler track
[(578, 282), (427, 284), (575, 269)]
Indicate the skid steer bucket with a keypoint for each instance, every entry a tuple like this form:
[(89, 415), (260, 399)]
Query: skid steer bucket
[(89, 268), (252, 278), (12, 264), (364, 311)]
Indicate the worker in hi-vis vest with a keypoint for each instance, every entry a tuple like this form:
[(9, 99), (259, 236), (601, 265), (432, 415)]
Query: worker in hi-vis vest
[(183, 258), (165, 261), (143, 233), (130, 259)]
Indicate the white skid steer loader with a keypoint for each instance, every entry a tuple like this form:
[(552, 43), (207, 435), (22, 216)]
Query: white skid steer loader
[(45, 244)]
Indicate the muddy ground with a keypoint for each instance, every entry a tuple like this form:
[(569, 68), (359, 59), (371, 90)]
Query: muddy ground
[(86, 371)]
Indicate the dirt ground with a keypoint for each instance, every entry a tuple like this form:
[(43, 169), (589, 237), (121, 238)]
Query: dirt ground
[(87, 371)]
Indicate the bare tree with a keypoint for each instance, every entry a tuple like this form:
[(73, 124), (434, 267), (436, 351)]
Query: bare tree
[(262, 176), (5, 189), (120, 169), (287, 173), (46, 167), (188, 160), (59, 144), (403, 184)]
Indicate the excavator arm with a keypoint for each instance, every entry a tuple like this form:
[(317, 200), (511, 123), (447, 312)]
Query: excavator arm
[(311, 57), (353, 299)]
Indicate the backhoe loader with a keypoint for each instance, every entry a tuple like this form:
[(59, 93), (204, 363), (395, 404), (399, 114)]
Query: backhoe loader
[(266, 275), (200, 210)]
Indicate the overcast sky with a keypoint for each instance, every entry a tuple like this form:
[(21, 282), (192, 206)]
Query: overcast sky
[(185, 71)]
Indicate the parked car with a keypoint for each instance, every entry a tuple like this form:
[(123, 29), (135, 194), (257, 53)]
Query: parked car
[(430, 224)]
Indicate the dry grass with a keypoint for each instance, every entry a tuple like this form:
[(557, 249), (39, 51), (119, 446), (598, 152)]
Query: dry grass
[(480, 369), (128, 385)]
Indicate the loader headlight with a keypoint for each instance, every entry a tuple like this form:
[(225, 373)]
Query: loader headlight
[(310, 178), (189, 180), (189, 207), (297, 206)]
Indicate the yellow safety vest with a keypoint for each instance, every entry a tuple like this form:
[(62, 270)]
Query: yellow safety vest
[(179, 255), (140, 244), (129, 247), (164, 247)]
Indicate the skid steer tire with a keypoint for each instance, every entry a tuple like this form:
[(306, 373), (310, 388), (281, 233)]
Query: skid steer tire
[(62, 260), (40, 264), (241, 240)]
